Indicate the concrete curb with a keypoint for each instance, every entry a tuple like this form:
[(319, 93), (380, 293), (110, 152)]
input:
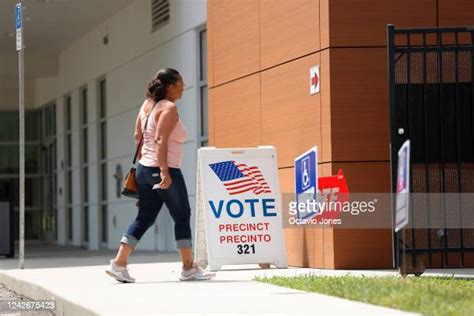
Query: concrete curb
[(36, 292)]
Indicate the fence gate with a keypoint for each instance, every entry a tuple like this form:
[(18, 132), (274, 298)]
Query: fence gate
[(431, 78)]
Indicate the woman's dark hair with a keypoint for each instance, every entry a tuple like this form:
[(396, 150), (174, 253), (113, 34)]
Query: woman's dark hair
[(156, 88)]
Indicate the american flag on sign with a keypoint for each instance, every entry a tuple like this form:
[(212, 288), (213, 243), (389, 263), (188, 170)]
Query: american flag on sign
[(240, 178)]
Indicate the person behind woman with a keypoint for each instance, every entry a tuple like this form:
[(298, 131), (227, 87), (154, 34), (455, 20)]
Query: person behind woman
[(159, 177)]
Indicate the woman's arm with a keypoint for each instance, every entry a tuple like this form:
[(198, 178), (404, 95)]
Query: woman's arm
[(138, 134), (167, 120), (138, 130)]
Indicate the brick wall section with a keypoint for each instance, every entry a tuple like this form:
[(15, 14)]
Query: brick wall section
[(260, 52)]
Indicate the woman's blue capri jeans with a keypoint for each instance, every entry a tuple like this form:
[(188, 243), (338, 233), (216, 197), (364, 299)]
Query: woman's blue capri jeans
[(151, 201)]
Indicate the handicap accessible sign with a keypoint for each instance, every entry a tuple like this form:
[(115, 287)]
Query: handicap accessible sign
[(306, 178)]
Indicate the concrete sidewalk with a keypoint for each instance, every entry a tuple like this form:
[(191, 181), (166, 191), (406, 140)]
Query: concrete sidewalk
[(88, 290), (79, 285)]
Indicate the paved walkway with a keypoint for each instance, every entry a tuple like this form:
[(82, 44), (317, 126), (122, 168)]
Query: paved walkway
[(76, 280)]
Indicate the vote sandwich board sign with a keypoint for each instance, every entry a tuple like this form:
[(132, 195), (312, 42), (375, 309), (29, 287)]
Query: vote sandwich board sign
[(238, 208)]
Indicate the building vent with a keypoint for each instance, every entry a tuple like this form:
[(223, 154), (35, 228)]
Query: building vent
[(160, 14)]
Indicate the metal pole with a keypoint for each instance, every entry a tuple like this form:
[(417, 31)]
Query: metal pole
[(21, 75), (21, 69), (393, 142)]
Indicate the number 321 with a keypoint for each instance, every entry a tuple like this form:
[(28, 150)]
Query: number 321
[(245, 249)]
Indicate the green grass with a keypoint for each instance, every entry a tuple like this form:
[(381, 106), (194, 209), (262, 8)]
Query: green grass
[(426, 295)]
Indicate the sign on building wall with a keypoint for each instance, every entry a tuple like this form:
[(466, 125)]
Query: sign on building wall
[(315, 81), (402, 210), (238, 205), (309, 187), (333, 189), (306, 178)]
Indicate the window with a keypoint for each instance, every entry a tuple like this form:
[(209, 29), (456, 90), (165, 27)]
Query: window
[(49, 216), (202, 92), (9, 168), (84, 164), (102, 142), (160, 14), (46, 218), (68, 164)]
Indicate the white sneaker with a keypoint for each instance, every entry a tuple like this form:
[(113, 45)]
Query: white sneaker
[(196, 273), (119, 273)]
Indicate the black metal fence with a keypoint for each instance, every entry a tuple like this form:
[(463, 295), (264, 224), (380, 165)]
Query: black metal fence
[(431, 85)]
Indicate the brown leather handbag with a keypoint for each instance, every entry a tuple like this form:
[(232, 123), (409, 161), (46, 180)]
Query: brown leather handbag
[(130, 187)]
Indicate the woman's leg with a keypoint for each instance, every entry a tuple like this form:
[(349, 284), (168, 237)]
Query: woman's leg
[(187, 257), (176, 199), (122, 255)]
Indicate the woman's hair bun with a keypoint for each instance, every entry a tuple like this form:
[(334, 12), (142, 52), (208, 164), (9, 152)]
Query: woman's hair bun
[(156, 88)]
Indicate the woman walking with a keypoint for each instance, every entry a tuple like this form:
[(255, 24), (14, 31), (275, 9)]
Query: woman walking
[(159, 177)]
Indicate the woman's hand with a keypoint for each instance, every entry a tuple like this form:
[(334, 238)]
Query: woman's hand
[(165, 179)]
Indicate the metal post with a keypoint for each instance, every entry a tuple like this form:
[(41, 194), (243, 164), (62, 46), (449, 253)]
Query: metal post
[(21, 75), (393, 144)]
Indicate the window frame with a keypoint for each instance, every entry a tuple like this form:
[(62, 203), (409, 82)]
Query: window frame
[(68, 183), (102, 160), (201, 79), (84, 161)]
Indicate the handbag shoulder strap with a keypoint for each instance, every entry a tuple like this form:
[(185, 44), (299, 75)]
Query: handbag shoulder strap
[(143, 132)]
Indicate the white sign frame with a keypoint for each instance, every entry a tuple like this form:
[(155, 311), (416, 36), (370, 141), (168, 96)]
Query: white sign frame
[(208, 252), (314, 89), (402, 205)]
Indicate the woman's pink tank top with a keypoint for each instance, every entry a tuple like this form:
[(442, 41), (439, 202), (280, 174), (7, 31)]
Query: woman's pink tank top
[(176, 140)]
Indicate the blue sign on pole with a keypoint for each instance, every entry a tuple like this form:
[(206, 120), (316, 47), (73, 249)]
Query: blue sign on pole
[(18, 16), (306, 179), (19, 31)]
